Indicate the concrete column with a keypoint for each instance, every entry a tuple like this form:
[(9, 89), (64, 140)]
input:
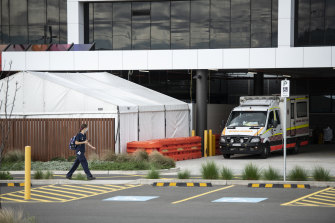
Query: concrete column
[(201, 106), (259, 84), (286, 23), (75, 21)]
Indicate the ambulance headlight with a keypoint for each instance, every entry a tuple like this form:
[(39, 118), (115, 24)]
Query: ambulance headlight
[(231, 140), (223, 139), (255, 140)]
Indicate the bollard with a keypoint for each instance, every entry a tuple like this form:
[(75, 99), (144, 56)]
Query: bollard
[(205, 143), (214, 146), (210, 142), (193, 132), (27, 174)]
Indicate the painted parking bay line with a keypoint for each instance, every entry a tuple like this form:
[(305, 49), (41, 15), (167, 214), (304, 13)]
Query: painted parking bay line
[(200, 195), (131, 198), (321, 198), (240, 200), (62, 193)]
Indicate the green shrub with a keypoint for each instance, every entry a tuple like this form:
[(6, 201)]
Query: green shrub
[(93, 156), (109, 156), (161, 162), (14, 156), (251, 172), (48, 175), (153, 174), (298, 174), (5, 176), (186, 174), (71, 158), (321, 174), (271, 174), (209, 170), (14, 216), (140, 155), (123, 158), (38, 175), (79, 176), (62, 159), (227, 173)]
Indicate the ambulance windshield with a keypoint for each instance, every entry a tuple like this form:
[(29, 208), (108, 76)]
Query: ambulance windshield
[(247, 119)]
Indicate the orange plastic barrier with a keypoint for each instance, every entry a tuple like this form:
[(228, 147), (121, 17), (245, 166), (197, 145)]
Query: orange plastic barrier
[(177, 148)]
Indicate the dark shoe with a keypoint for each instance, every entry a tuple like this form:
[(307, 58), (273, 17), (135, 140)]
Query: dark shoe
[(91, 178), (70, 178)]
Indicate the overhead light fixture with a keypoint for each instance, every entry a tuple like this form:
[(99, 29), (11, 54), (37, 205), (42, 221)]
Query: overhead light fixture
[(250, 72), (213, 69), (144, 71), (333, 68), (286, 75)]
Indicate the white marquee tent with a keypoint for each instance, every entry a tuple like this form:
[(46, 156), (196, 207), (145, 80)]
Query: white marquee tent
[(140, 113)]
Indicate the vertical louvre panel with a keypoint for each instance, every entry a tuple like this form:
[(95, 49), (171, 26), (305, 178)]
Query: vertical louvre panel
[(50, 138)]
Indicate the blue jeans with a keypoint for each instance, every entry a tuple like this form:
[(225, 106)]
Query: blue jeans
[(81, 159)]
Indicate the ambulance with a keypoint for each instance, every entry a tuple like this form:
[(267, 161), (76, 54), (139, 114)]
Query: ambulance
[(255, 126)]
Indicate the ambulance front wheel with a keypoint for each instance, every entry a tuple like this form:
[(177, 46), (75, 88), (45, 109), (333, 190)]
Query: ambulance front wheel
[(266, 151), (226, 156)]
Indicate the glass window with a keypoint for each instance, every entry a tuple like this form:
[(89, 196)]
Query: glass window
[(200, 10), (260, 9), (200, 24), (160, 35), (330, 31), (278, 117), (63, 12), (292, 111), (18, 13), (141, 36), (261, 33), (160, 12), (63, 34), (36, 34), (103, 36), (320, 103), (122, 36), (5, 34), (122, 12), (240, 34), (36, 12), (103, 13), (220, 10), (5, 12), (240, 10), (18, 34), (53, 12), (180, 24), (247, 119), (301, 109), (140, 12), (220, 35)]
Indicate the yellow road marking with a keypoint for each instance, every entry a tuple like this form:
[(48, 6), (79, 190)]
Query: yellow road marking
[(309, 195), (321, 199), (22, 196), (10, 184), (269, 185), (200, 195), (173, 184), (160, 184), (203, 184), (318, 195), (62, 191), (190, 184), (255, 185), (39, 195), (47, 192), (86, 188), (316, 202), (305, 204), (300, 186), (11, 199), (330, 194), (121, 187), (90, 192), (287, 185), (101, 187)]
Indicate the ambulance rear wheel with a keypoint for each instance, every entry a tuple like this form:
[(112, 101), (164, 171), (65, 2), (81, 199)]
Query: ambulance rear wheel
[(226, 156)]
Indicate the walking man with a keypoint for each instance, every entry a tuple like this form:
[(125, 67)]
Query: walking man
[(81, 141)]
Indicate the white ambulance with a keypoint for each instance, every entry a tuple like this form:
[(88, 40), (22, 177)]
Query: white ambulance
[(255, 127)]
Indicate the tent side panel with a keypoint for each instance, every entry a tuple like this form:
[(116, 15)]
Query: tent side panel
[(49, 138), (177, 124), (151, 125), (128, 130)]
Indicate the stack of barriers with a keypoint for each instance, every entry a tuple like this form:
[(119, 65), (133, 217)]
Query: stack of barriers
[(183, 148)]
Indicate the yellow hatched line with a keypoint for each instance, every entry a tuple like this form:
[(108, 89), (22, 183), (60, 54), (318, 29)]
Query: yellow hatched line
[(330, 194), (89, 192), (305, 204), (87, 188), (11, 199), (131, 185), (322, 199), (35, 199), (200, 195), (101, 187), (309, 195), (47, 192), (121, 187), (63, 191), (39, 195), (318, 195), (317, 202)]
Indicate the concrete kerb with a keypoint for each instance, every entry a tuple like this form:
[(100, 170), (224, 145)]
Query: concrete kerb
[(110, 172)]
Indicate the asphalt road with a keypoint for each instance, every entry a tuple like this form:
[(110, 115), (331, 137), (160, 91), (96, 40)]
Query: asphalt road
[(181, 204)]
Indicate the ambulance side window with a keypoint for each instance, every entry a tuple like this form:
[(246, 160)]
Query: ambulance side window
[(271, 120), (278, 117), (292, 110)]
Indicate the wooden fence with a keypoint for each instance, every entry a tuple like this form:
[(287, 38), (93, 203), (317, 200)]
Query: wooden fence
[(49, 138)]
